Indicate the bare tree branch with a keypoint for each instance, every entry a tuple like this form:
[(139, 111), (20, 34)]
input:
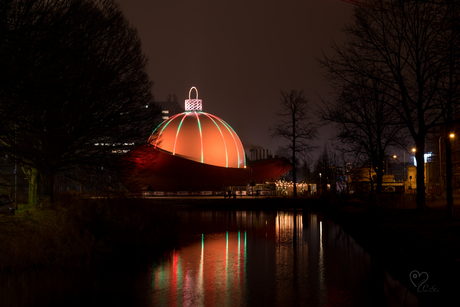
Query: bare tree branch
[(294, 126)]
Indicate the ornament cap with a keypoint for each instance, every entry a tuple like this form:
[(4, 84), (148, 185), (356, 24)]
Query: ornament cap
[(193, 104)]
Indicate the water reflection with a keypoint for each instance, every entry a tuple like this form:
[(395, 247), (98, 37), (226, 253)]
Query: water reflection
[(268, 259), (227, 258), (203, 273)]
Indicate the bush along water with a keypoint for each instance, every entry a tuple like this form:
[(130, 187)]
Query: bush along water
[(85, 231)]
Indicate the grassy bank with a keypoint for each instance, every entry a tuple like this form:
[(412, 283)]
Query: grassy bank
[(77, 232)]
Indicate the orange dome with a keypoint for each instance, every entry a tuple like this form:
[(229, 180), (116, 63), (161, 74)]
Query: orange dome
[(199, 136)]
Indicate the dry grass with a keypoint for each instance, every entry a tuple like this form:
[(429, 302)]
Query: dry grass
[(80, 231)]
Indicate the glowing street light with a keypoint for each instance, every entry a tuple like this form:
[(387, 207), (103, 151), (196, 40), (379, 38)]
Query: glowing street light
[(404, 172), (404, 165), (451, 135)]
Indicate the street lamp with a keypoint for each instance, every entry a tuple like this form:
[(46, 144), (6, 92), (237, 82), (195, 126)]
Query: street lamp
[(404, 165), (404, 176), (404, 170), (451, 135)]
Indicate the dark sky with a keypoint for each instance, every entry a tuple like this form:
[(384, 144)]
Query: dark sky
[(239, 54)]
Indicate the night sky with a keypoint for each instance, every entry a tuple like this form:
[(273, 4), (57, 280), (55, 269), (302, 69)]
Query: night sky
[(239, 54)]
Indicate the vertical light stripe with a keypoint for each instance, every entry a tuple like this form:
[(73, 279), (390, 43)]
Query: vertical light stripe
[(233, 136), (168, 122), (223, 138), (239, 143), (178, 129), (201, 135)]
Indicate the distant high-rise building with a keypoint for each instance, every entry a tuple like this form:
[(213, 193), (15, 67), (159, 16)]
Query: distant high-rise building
[(170, 107)]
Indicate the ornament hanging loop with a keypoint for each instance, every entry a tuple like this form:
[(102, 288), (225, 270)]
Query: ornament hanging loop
[(193, 104), (190, 92)]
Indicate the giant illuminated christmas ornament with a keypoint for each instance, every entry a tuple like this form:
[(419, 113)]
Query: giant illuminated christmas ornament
[(199, 136), (195, 151)]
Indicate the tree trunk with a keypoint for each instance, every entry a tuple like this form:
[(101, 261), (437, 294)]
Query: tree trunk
[(372, 190), (420, 177), (294, 174), (32, 178), (48, 186), (379, 179)]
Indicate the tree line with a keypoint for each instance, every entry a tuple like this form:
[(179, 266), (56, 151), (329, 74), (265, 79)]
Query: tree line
[(395, 79), (73, 89)]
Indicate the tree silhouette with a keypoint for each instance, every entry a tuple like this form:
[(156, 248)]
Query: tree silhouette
[(72, 75), (366, 125), (295, 127), (397, 44), (449, 97)]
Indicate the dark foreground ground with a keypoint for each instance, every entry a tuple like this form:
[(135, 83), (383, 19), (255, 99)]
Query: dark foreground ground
[(403, 240), (425, 244)]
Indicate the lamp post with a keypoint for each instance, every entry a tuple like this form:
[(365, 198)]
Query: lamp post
[(404, 176), (440, 168), (404, 167), (410, 178), (404, 170), (451, 135)]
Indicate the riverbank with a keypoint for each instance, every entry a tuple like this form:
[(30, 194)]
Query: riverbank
[(426, 244), (79, 232)]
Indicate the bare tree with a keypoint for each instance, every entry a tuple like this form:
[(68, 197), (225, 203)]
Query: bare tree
[(400, 41), (294, 126), (366, 125), (73, 86), (449, 97), (322, 170)]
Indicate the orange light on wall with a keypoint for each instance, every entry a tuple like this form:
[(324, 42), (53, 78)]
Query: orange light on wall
[(199, 136)]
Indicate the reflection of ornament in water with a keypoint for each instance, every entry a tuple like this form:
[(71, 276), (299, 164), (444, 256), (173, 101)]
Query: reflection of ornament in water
[(199, 136)]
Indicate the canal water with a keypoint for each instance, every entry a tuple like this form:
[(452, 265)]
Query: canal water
[(227, 258)]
